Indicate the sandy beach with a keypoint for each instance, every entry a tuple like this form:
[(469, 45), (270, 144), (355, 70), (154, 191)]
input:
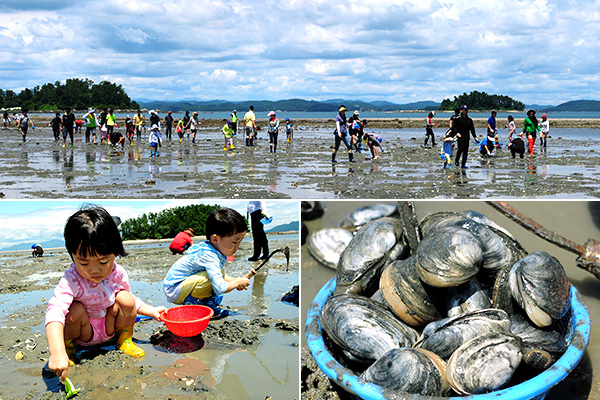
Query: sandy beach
[(577, 221), (41, 168), (259, 343)]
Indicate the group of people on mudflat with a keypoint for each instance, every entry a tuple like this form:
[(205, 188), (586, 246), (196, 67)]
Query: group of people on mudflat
[(100, 128), (461, 126)]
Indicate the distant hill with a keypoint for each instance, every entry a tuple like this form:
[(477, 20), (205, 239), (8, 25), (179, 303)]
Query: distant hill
[(292, 226), (578, 105), (298, 105), (27, 245)]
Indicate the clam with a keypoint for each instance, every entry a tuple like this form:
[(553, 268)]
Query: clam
[(311, 210), (362, 215), (415, 371), (465, 298), (363, 328), (448, 257), (501, 295), (405, 294), (446, 335), (539, 285), (540, 346), (484, 364), (447, 218), (373, 247), (326, 245)]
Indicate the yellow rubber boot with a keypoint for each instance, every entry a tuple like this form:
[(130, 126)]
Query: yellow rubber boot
[(125, 344), (71, 351)]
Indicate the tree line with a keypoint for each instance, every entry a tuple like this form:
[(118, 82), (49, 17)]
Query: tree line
[(169, 222), (482, 101), (79, 94)]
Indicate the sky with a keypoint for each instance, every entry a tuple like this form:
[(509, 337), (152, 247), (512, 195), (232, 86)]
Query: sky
[(34, 221), (536, 51)]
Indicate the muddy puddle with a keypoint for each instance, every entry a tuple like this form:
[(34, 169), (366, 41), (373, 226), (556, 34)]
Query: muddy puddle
[(251, 354), (577, 221), (41, 168)]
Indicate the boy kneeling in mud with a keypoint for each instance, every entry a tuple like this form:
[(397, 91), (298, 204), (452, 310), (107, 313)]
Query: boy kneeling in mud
[(199, 277)]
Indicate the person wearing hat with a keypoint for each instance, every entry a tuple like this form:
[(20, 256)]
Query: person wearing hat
[(341, 134), (182, 241), (544, 130), (37, 251), (154, 118), (429, 124), (273, 129), (90, 125), (530, 127), (250, 125), (463, 126), (155, 140)]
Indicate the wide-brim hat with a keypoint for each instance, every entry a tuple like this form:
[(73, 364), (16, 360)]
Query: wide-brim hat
[(342, 108)]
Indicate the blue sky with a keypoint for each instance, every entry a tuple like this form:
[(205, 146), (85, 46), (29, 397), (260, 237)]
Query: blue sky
[(42, 220), (538, 51)]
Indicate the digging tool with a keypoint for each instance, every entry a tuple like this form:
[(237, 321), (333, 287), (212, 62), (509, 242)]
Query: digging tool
[(589, 254), (285, 251)]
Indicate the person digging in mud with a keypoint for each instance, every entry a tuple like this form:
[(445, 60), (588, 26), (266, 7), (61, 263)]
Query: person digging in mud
[(182, 241), (92, 303), (37, 251), (199, 277)]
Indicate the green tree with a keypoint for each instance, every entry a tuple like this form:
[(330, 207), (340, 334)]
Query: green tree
[(482, 101), (168, 223)]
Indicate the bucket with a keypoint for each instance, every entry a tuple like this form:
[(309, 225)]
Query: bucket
[(578, 335), (187, 321)]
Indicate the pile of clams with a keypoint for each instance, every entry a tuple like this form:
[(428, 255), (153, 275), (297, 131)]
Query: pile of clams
[(467, 311)]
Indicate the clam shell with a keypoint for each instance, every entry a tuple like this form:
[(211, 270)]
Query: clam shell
[(540, 286), (362, 215), (448, 257), (364, 328), (484, 364), (466, 298), (405, 294), (326, 245), (415, 371), (361, 262), (446, 335)]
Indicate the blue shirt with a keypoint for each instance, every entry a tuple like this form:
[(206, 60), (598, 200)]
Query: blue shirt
[(342, 122), (200, 257)]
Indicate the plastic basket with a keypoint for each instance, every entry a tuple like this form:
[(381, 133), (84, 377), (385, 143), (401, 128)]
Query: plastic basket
[(187, 321), (578, 335)]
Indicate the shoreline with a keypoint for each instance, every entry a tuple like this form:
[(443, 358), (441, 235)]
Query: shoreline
[(381, 123)]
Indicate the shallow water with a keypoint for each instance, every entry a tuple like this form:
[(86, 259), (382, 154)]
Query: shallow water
[(274, 362), (40, 168), (575, 220)]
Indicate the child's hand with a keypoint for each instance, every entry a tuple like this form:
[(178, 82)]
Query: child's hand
[(158, 312), (59, 364), (242, 283)]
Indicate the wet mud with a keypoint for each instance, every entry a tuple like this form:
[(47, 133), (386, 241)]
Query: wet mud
[(41, 168), (224, 362)]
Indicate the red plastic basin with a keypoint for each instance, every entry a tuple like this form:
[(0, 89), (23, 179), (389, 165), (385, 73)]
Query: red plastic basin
[(187, 321)]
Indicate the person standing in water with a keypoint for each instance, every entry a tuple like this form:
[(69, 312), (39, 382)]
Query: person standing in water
[(273, 129), (463, 126), (168, 123), (341, 134), (544, 130), (138, 120), (530, 127), (24, 123), (68, 123), (250, 125), (429, 124)]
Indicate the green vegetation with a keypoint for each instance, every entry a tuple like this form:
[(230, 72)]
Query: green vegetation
[(482, 101), (76, 93), (168, 223)]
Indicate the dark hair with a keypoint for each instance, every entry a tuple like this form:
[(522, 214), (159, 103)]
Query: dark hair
[(494, 113), (532, 117), (225, 222), (111, 111), (251, 107), (510, 118), (92, 231)]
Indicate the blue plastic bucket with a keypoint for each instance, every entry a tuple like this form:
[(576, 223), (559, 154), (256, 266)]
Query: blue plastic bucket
[(537, 387)]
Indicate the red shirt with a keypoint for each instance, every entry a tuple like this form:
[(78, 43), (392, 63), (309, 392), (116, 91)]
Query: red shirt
[(179, 242)]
